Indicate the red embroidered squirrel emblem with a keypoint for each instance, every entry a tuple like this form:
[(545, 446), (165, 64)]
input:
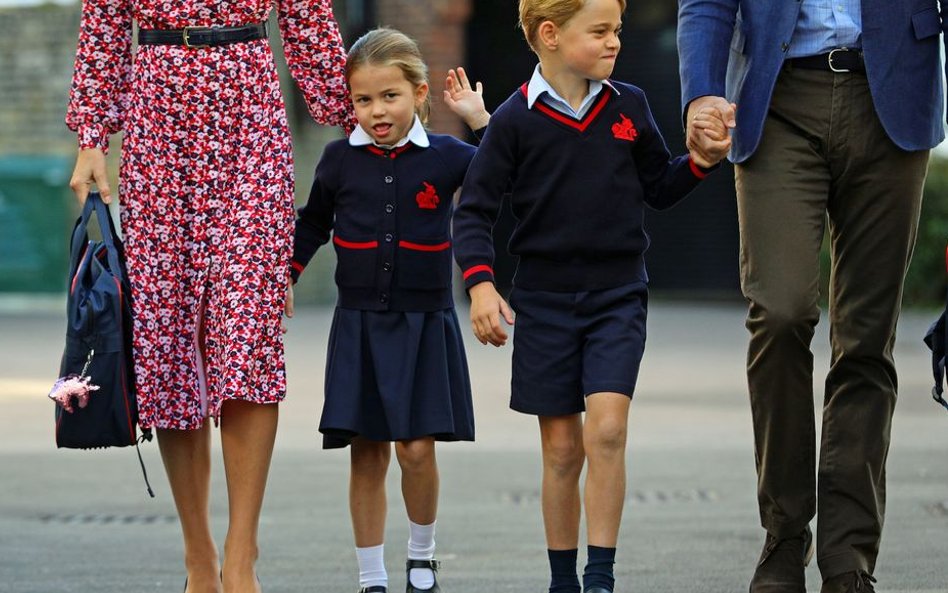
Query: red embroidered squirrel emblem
[(624, 129), (427, 199)]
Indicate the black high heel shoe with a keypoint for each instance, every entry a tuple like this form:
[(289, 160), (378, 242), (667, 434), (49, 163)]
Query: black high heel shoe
[(374, 589), (434, 565)]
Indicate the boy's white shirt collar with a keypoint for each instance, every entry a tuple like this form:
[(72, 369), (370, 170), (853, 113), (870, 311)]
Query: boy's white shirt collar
[(538, 85), (416, 135)]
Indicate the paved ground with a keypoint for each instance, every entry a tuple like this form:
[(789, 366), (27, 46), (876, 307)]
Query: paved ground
[(79, 521)]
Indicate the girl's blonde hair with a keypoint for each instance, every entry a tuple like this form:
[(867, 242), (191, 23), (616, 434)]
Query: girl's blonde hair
[(534, 12), (388, 47)]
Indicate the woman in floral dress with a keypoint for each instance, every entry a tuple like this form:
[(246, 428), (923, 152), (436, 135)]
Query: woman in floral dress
[(207, 213)]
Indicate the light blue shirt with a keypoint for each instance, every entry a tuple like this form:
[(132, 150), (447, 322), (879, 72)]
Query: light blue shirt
[(825, 25), (538, 86)]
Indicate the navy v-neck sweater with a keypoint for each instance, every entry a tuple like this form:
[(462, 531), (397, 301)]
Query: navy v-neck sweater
[(578, 191)]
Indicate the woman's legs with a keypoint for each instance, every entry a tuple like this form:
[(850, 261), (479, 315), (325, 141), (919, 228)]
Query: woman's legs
[(248, 431), (187, 459)]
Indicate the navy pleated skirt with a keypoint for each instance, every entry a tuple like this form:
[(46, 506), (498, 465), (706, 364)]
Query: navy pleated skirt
[(396, 375)]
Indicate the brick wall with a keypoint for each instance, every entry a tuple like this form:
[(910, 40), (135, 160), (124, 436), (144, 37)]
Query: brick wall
[(37, 45), (439, 28)]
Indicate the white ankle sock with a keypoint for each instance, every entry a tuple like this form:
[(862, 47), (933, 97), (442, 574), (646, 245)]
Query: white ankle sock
[(421, 546), (372, 566)]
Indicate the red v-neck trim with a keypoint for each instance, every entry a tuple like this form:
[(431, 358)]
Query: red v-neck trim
[(579, 124), (392, 153)]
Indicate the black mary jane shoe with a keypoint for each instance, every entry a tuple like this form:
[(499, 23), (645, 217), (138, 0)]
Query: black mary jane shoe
[(597, 590), (374, 589), (434, 565)]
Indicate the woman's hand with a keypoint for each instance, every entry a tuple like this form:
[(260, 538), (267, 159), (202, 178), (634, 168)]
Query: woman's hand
[(487, 306), (466, 102), (90, 168)]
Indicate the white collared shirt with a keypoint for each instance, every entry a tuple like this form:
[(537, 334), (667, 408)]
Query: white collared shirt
[(538, 85), (416, 135)]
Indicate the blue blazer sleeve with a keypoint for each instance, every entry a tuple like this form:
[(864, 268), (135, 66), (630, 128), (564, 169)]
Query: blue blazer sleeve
[(705, 29)]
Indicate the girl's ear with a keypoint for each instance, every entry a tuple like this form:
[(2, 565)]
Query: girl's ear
[(548, 35), (421, 94)]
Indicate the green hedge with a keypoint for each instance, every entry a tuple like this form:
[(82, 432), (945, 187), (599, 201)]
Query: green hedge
[(925, 283)]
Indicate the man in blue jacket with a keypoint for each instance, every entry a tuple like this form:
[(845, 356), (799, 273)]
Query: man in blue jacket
[(838, 104)]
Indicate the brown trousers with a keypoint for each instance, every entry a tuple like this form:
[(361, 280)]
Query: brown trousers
[(824, 157)]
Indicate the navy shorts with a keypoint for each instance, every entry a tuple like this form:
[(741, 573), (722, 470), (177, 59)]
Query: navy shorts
[(567, 345)]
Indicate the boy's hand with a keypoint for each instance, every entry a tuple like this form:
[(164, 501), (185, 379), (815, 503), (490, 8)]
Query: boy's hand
[(709, 122), (288, 306), (466, 102), (487, 306)]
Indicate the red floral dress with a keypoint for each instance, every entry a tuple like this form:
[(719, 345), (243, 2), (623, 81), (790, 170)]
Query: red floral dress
[(206, 188)]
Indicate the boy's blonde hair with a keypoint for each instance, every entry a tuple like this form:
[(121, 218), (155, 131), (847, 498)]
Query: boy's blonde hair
[(388, 47), (534, 12)]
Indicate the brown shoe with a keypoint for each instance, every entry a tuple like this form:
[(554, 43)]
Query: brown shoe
[(849, 582), (781, 564)]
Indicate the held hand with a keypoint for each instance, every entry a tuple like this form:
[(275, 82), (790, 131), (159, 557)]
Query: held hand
[(466, 102), (288, 305), (487, 306), (707, 138), (90, 168)]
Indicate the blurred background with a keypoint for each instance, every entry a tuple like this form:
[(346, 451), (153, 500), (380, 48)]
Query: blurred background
[(694, 253)]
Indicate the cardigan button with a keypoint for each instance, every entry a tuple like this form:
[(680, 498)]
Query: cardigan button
[(387, 267), (383, 298), (389, 208), (389, 237), (389, 179)]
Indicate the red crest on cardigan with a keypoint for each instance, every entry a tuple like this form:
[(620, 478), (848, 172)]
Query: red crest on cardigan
[(624, 129), (427, 199)]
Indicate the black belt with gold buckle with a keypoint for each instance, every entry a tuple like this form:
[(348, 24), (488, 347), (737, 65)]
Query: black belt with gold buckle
[(838, 60), (194, 37)]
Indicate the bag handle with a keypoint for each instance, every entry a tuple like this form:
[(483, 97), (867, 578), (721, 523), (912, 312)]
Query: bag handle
[(80, 235)]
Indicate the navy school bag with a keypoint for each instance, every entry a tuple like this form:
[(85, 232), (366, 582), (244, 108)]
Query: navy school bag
[(937, 339), (99, 341)]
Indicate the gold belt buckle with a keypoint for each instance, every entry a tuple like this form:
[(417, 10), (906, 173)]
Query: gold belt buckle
[(187, 42)]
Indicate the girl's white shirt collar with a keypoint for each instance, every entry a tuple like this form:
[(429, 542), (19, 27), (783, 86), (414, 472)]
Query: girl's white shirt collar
[(416, 135)]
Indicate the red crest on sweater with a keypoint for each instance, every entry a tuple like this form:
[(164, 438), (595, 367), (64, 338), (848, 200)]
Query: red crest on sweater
[(624, 129), (427, 199)]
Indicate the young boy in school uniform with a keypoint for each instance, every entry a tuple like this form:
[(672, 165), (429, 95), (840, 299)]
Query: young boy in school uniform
[(582, 156)]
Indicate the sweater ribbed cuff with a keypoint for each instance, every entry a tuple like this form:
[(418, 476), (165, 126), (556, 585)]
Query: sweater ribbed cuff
[(477, 274), (296, 269), (702, 172)]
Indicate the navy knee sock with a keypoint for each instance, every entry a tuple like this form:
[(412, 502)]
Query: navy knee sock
[(563, 578), (598, 571)]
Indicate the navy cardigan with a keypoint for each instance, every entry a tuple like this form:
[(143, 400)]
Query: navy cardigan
[(389, 214)]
